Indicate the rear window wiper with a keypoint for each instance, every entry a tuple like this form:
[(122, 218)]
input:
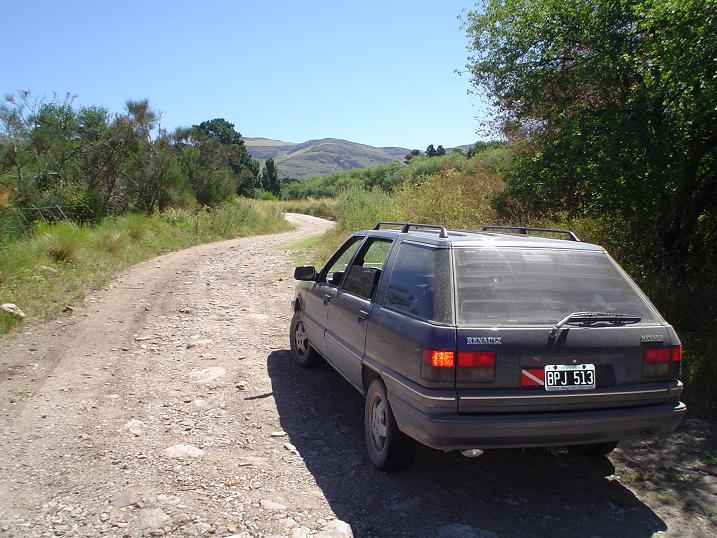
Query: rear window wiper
[(588, 318)]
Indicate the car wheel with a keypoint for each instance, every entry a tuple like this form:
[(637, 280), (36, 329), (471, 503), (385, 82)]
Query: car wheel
[(389, 449), (301, 351), (595, 450)]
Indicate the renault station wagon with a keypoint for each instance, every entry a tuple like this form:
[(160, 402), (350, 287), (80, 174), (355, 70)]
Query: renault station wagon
[(498, 338)]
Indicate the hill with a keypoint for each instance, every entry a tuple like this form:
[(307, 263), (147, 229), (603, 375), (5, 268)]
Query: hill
[(320, 157)]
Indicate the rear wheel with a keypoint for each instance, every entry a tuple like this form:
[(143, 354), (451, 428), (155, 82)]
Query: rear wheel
[(301, 351), (595, 450), (389, 449)]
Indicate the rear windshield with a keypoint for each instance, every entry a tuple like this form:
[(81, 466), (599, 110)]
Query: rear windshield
[(538, 286)]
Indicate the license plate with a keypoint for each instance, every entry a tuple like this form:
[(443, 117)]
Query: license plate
[(569, 376)]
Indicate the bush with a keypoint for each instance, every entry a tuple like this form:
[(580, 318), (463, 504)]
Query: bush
[(360, 208), (61, 241)]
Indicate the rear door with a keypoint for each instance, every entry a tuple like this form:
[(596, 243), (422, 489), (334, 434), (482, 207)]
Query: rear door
[(350, 308), (508, 300)]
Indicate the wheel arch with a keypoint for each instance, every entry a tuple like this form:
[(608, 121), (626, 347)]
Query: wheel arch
[(368, 376), (298, 303)]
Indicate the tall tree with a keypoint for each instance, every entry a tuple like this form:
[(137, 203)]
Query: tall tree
[(409, 156), (270, 180), (615, 105), (245, 167), (431, 151)]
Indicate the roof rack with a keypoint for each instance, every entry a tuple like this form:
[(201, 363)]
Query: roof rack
[(524, 230), (405, 226)]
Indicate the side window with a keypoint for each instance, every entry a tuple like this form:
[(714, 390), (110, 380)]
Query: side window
[(365, 272), (420, 283), (337, 267)]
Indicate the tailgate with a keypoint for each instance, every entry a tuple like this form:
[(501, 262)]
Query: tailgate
[(615, 354)]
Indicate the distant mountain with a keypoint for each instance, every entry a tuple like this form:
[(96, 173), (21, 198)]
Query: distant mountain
[(320, 157)]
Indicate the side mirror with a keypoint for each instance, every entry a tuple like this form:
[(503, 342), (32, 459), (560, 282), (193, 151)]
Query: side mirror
[(305, 272)]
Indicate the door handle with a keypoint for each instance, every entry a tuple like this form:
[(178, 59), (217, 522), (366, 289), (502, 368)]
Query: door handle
[(328, 297), (362, 315)]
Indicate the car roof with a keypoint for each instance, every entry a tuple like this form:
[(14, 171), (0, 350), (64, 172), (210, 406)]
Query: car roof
[(470, 238)]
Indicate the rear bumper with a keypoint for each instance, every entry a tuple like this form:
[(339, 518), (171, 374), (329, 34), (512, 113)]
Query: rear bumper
[(432, 422)]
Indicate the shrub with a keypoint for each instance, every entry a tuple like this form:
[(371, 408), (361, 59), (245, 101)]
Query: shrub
[(135, 224), (60, 241)]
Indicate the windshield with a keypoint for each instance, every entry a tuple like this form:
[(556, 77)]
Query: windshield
[(540, 286)]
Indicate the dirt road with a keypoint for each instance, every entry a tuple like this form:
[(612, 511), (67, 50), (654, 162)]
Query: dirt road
[(168, 404)]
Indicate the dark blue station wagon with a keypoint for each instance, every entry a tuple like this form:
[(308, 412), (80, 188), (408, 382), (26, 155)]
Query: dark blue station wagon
[(468, 340)]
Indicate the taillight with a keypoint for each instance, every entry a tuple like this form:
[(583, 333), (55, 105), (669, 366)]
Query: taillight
[(656, 360), (476, 359), (657, 355), (439, 359), (438, 365), (476, 366)]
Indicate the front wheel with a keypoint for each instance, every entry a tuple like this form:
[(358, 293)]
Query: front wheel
[(389, 449), (301, 351), (595, 450)]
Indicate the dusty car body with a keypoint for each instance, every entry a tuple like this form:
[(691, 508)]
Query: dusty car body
[(486, 339)]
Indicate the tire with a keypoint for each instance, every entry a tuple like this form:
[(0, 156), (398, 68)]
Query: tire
[(595, 450), (301, 351), (389, 449)]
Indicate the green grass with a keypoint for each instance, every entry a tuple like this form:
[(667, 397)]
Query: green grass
[(57, 264)]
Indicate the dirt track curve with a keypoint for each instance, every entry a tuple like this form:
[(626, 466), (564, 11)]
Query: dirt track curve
[(167, 404)]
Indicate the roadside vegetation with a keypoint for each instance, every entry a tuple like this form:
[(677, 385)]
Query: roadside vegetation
[(84, 164), (55, 265), (84, 193), (608, 111)]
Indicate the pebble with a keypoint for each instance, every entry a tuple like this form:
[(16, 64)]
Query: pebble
[(272, 505), (201, 342), (13, 310), (124, 498), (153, 519), (181, 519), (135, 427), (207, 375), (336, 529), (183, 451)]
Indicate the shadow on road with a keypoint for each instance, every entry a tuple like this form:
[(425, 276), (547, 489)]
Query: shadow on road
[(510, 492)]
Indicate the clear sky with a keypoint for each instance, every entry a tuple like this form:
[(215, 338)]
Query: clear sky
[(376, 72)]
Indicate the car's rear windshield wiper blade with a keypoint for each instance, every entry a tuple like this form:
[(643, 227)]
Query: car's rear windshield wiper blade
[(594, 317)]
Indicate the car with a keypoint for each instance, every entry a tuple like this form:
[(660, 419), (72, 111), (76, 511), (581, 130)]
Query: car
[(495, 338)]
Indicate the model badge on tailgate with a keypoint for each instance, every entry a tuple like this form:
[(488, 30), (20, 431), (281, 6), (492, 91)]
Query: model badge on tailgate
[(651, 338), (484, 340)]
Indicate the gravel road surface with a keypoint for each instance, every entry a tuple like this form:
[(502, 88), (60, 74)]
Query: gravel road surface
[(167, 404)]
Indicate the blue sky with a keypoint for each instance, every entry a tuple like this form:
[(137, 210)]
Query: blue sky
[(380, 73)]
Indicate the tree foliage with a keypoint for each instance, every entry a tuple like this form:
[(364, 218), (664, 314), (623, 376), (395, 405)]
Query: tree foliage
[(615, 104), (409, 156), (87, 163), (270, 180)]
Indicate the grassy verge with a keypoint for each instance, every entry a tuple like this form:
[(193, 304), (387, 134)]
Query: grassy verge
[(59, 262)]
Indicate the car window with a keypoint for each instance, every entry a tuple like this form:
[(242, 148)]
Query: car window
[(336, 270), (420, 283), (529, 286), (365, 272)]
